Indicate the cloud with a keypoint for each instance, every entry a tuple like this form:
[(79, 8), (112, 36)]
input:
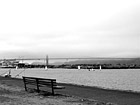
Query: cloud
[(70, 28)]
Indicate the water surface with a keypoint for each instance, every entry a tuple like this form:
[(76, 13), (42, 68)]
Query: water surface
[(122, 79)]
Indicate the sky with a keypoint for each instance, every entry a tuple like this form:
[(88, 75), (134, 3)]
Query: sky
[(69, 28)]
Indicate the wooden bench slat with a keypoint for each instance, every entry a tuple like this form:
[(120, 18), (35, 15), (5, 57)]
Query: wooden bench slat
[(39, 78)]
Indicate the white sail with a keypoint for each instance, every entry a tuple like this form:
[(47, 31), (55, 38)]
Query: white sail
[(46, 68), (16, 67), (79, 67), (100, 67)]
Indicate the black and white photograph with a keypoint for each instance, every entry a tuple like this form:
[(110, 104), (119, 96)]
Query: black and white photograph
[(69, 52)]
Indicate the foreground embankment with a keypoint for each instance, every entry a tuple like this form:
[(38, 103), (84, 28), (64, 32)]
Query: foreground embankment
[(13, 89), (12, 93)]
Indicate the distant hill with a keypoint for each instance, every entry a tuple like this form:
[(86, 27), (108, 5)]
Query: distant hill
[(38, 63), (107, 61), (42, 63), (57, 63)]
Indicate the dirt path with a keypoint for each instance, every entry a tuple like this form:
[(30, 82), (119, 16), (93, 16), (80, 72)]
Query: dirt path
[(119, 97)]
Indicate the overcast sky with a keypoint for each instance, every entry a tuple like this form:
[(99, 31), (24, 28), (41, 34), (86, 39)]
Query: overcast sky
[(69, 28)]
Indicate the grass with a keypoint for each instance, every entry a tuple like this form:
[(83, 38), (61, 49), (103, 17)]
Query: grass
[(12, 93)]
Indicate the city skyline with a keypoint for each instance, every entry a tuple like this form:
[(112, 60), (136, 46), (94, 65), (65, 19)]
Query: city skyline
[(76, 28)]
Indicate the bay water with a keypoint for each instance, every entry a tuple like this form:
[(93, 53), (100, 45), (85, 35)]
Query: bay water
[(118, 79)]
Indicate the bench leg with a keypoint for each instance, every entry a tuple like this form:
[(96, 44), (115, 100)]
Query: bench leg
[(25, 87), (52, 88), (52, 91), (37, 86), (38, 89)]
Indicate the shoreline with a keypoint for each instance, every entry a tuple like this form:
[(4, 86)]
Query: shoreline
[(85, 86), (90, 87)]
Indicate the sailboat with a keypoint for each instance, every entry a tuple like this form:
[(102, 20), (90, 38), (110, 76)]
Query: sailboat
[(47, 61), (79, 67), (100, 67), (46, 67)]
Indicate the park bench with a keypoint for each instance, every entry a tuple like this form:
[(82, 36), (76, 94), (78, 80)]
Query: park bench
[(41, 82)]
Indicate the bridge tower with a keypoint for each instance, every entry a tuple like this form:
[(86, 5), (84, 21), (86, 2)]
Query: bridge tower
[(47, 62)]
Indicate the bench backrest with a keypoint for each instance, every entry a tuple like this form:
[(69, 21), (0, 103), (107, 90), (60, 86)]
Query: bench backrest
[(39, 81)]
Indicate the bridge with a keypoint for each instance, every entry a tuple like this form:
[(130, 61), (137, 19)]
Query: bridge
[(65, 58)]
